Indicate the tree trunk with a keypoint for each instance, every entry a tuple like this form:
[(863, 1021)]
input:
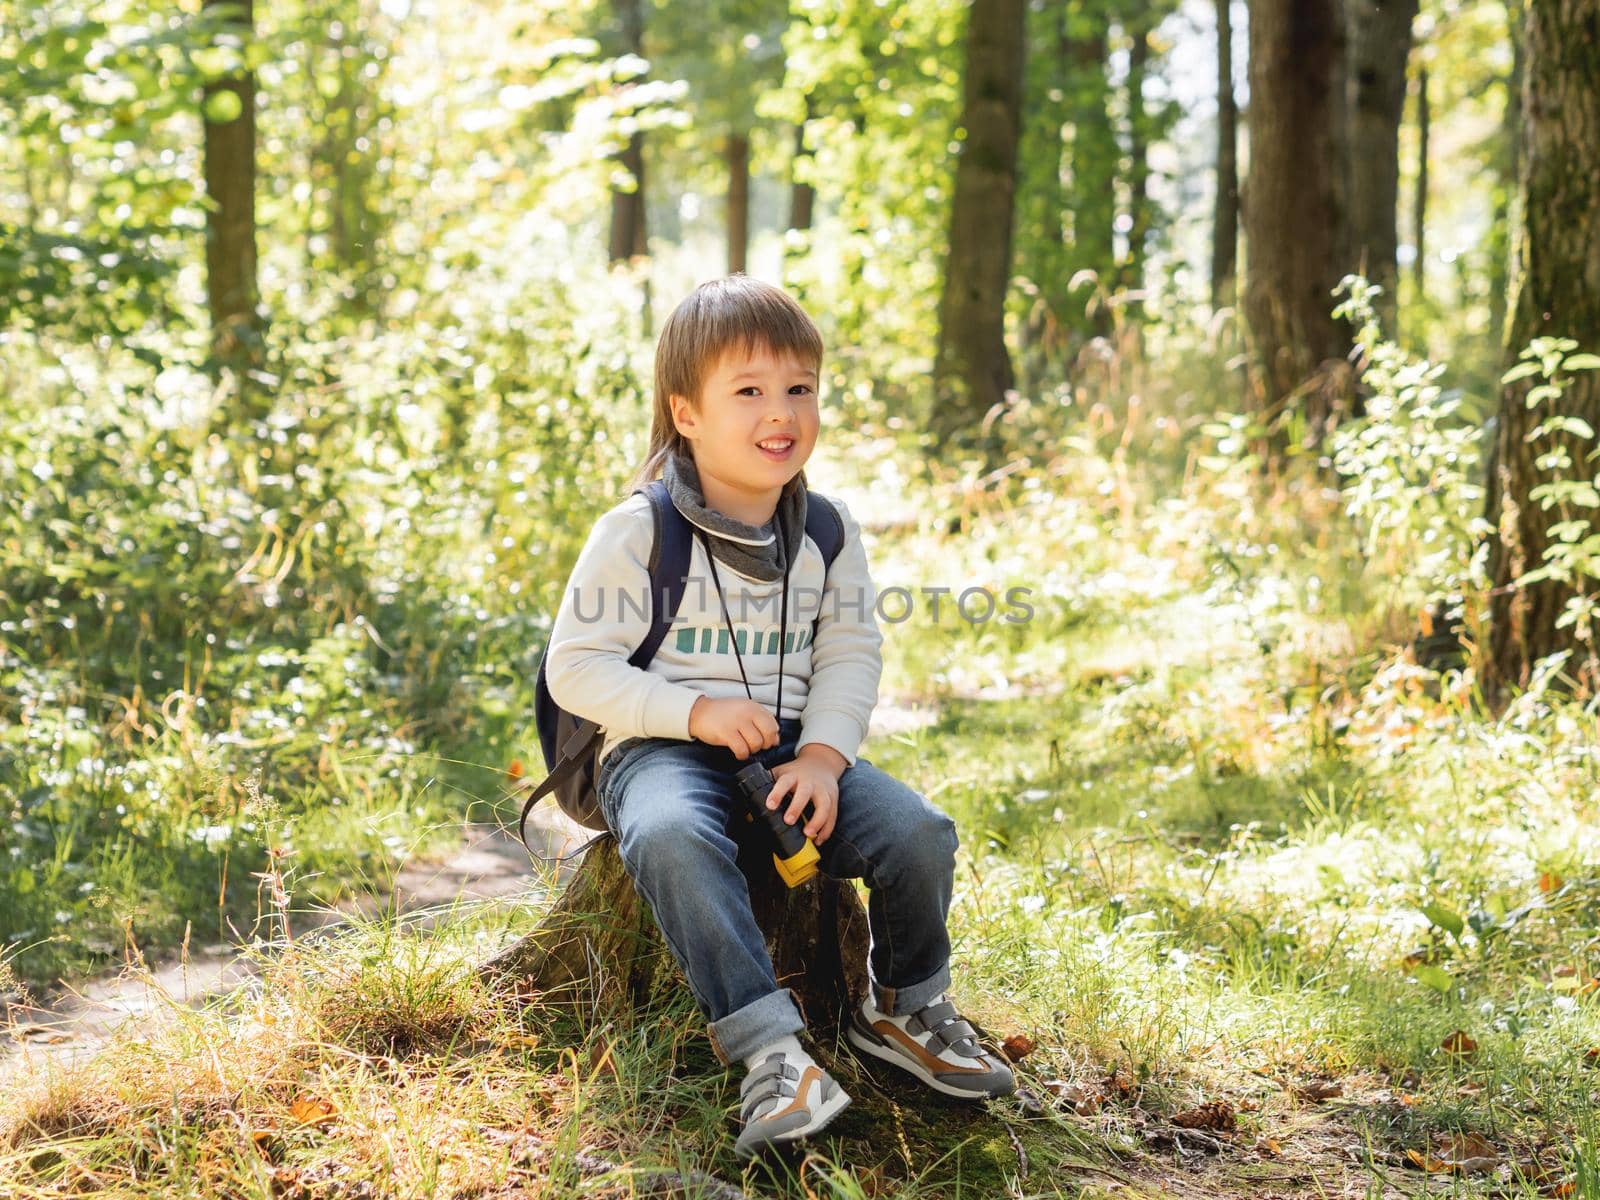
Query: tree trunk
[(1293, 214), (1510, 170), (230, 174), (1419, 203), (628, 233), (737, 156), (1095, 153), (1225, 224), (1380, 44), (1139, 221), (599, 947), (972, 369), (802, 196), (1556, 275), (802, 200)]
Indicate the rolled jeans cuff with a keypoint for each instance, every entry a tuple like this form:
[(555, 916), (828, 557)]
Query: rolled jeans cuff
[(902, 1001), (760, 1023)]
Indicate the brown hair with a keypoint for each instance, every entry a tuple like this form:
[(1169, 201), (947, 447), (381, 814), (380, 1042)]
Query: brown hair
[(732, 313)]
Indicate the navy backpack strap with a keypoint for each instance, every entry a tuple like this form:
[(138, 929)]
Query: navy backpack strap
[(669, 567), (825, 527), (669, 564)]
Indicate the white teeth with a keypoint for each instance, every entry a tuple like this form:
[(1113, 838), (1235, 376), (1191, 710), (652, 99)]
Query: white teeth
[(780, 445)]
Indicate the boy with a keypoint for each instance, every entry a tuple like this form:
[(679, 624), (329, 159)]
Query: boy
[(735, 419)]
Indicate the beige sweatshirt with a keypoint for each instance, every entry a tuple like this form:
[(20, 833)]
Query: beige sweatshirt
[(829, 682)]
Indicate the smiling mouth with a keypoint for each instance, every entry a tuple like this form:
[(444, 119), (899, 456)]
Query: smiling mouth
[(776, 446)]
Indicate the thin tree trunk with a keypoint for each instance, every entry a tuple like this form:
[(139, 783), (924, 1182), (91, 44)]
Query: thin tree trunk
[(1380, 45), (230, 174), (1225, 224), (1293, 212), (1510, 164), (802, 196), (802, 199), (628, 234), (1138, 154), (1094, 156), (972, 369), (1419, 203), (737, 156), (1556, 276)]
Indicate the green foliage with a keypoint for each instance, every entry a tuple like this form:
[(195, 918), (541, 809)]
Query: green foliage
[(884, 83), (1411, 466), (1572, 556), (99, 117)]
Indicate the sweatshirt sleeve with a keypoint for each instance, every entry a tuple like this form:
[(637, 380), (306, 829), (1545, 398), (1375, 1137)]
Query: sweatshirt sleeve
[(846, 657), (603, 617)]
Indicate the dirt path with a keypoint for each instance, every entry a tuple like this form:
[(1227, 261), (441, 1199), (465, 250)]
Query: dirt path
[(489, 864)]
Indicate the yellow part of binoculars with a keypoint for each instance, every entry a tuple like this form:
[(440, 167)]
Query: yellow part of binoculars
[(799, 867)]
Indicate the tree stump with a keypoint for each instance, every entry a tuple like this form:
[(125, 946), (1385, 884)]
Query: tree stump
[(598, 947)]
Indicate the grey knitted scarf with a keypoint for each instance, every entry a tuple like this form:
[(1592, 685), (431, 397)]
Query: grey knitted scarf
[(751, 550)]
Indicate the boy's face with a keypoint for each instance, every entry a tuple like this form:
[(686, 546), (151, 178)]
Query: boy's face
[(749, 402)]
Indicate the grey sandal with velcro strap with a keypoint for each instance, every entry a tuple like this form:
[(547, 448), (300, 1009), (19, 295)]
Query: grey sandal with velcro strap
[(781, 1101)]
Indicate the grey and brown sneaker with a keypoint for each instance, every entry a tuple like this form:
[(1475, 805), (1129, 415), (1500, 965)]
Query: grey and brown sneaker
[(784, 1099), (937, 1045)]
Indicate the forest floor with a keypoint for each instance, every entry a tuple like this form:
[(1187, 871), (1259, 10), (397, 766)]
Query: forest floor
[(1259, 906)]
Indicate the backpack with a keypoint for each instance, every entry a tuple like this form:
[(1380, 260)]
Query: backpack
[(571, 745)]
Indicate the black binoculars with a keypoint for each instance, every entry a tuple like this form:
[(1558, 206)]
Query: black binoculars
[(796, 856)]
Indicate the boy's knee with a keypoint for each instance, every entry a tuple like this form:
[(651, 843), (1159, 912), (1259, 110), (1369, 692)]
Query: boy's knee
[(930, 842), (666, 843)]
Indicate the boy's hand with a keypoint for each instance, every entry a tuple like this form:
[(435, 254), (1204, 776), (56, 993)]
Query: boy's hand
[(813, 776), (743, 726)]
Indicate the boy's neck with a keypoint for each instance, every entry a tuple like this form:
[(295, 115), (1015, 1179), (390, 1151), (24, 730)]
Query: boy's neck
[(751, 508)]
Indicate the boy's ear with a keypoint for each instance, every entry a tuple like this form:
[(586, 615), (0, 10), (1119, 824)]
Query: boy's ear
[(683, 416)]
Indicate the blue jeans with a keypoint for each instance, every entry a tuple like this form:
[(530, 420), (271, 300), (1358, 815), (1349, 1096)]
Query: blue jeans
[(669, 802)]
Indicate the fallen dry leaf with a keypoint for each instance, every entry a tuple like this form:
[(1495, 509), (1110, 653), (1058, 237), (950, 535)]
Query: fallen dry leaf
[(1467, 1152), (1213, 1114), (46, 1034), (312, 1110), (1119, 1082), (600, 1059), (1319, 1089), (1426, 1162), (1017, 1047), (514, 771), (1549, 881), (267, 1144), (1568, 979), (1459, 1043), (1079, 1099), (1269, 1146)]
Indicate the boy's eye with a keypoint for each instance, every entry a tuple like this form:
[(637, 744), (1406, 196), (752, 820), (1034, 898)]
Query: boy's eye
[(803, 388)]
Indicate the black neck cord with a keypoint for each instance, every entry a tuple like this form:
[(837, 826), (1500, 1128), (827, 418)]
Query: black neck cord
[(783, 622)]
